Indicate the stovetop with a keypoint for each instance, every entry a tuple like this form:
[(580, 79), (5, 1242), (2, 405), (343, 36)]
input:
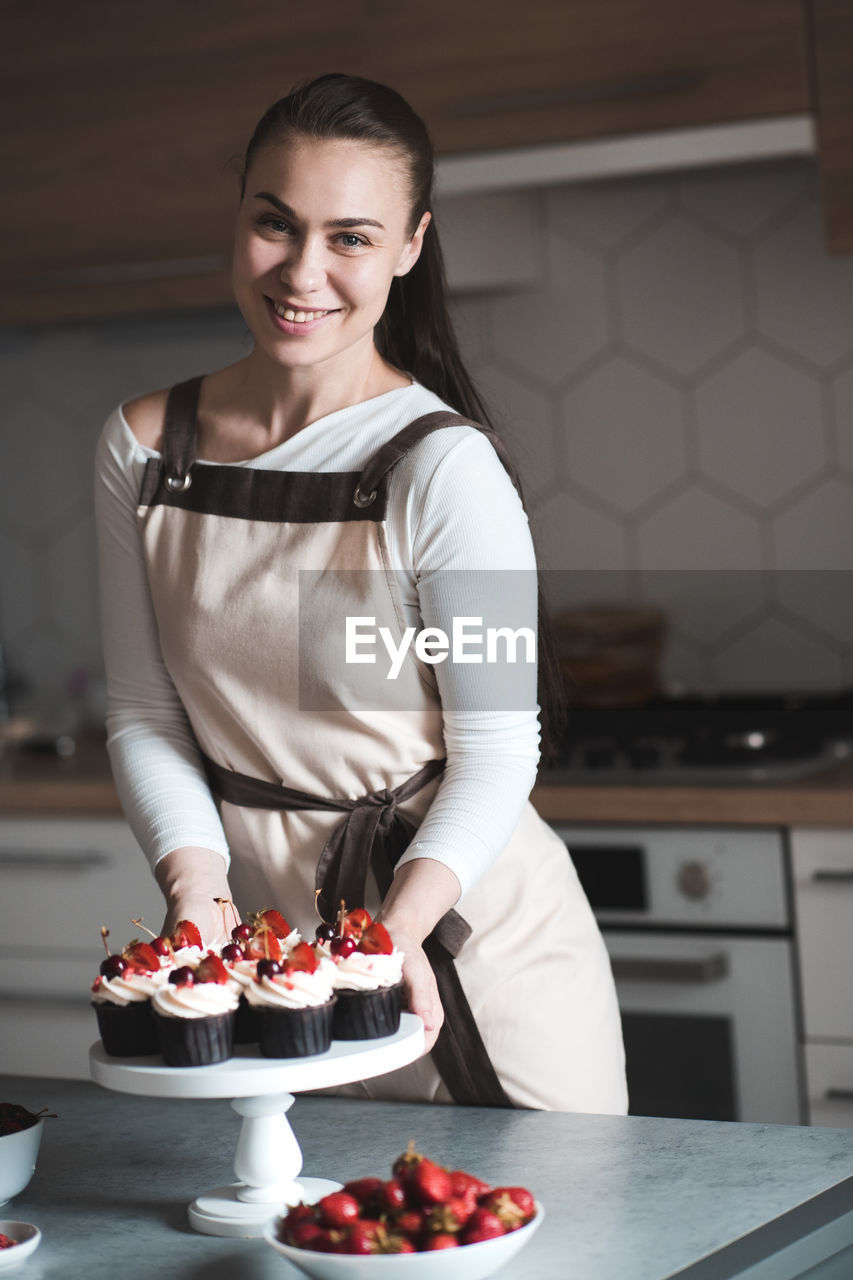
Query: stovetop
[(727, 739)]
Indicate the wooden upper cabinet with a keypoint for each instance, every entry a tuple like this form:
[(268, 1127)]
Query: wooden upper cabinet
[(122, 120), (495, 73), (124, 124), (832, 68)]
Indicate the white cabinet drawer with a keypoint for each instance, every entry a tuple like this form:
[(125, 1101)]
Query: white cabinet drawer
[(829, 1079), (61, 879), (823, 902), (46, 1040)]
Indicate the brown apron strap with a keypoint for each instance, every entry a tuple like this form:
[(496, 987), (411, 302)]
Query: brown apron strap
[(180, 430), (373, 824), (390, 453)]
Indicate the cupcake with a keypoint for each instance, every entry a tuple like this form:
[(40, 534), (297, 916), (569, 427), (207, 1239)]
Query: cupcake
[(121, 998), (267, 936), (194, 1013), (367, 980), (293, 1003)]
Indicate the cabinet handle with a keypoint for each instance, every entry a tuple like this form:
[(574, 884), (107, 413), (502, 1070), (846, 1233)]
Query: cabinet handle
[(839, 1095), (52, 859), (834, 877), (602, 91), (651, 969), (44, 998)]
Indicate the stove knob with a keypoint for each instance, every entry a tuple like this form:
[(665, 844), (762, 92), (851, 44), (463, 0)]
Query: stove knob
[(693, 880)]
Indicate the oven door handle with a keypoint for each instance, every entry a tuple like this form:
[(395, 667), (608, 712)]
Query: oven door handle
[(833, 877), (660, 969)]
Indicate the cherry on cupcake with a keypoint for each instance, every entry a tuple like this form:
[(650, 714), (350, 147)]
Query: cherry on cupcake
[(268, 968), (232, 952), (114, 965), (158, 944), (342, 946), (183, 976)]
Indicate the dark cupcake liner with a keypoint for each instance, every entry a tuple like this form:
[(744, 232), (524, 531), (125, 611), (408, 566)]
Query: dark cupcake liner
[(127, 1030), (245, 1023), (195, 1042), (295, 1033), (367, 1015)]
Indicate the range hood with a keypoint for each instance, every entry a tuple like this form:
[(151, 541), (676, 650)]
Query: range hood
[(486, 200)]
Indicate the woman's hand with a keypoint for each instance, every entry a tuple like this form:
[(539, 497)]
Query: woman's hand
[(420, 894), (214, 929), (421, 991), (191, 881)]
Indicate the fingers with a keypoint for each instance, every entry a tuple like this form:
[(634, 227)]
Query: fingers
[(423, 997)]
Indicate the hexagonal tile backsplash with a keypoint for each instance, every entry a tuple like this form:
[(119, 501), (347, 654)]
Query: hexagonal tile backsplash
[(678, 393)]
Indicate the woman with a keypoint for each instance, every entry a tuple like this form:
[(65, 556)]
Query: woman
[(328, 451)]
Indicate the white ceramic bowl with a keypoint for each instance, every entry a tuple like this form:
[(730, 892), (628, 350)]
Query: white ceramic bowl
[(27, 1236), (18, 1153), (468, 1262)]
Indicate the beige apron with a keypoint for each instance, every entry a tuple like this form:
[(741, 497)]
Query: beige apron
[(315, 790)]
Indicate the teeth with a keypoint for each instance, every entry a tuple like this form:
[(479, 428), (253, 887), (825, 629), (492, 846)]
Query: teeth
[(300, 317)]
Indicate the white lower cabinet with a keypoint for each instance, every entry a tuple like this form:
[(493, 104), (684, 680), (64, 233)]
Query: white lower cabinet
[(61, 879), (822, 862), (829, 1079)]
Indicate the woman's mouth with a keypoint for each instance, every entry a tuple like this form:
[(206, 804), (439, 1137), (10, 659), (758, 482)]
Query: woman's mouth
[(292, 320)]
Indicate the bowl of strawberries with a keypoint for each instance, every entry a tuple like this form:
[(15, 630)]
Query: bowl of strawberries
[(425, 1222), (20, 1139)]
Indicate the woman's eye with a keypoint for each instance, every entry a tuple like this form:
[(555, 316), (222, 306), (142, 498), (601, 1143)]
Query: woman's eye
[(275, 224), (351, 241)]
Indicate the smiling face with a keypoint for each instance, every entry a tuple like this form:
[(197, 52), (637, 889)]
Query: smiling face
[(321, 232)]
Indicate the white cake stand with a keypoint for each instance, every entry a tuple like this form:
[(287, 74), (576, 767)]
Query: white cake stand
[(268, 1160)]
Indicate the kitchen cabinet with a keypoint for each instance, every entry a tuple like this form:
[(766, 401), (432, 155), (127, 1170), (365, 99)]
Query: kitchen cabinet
[(128, 118), (63, 879), (822, 863), (832, 77), (486, 74)]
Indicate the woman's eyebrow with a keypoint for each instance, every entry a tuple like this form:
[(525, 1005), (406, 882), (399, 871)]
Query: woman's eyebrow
[(335, 222)]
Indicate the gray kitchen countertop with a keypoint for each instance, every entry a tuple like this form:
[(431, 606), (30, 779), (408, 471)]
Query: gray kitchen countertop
[(625, 1198)]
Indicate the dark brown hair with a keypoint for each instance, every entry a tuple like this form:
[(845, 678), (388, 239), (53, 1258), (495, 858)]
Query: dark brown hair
[(415, 332)]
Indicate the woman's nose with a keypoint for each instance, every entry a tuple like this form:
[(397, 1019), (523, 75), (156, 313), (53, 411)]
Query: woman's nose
[(302, 269)]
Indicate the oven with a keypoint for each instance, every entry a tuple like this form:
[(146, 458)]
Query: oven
[(698, 926)]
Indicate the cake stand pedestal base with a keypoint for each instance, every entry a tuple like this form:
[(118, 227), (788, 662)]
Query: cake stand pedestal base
[(220, 1212), (268, 1159)]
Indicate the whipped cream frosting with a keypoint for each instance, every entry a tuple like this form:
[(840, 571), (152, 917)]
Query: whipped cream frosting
[(241, 973), (131, 988), (201, 1000), (296, 990), (361, 972), (186, 955)]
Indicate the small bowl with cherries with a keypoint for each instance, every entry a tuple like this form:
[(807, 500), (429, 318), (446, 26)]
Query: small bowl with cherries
[(20, 1139)]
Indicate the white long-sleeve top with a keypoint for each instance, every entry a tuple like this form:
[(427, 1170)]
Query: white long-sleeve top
[(451, 506)]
